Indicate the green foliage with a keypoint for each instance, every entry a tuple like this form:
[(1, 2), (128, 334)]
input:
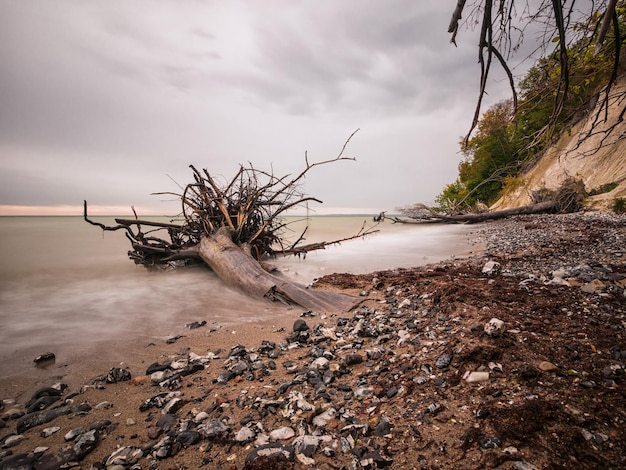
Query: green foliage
[(605, 188), (505, 139), (619, 205)]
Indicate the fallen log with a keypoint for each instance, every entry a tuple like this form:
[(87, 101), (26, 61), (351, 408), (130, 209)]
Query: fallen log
[(539, 208), (240, 270)]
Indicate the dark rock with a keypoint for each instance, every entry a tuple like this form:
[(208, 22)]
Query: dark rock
[(528, 372), (274, 451), (214, 428), (225, 377), (156, 367), (490, 442), (383, 427), (118, 375), (166, 422), (188, 438), (44, 359), (37, 418), (352, 359), (238, 351), (86, 443), (443, 361), (300, 325), (173, 339), (42, 403), (195, 324), (157, 401), (18, 462)]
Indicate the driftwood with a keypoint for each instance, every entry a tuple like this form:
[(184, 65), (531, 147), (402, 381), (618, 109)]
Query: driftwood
[(541, 207), (232, 227), (569, 197), (240, 270)]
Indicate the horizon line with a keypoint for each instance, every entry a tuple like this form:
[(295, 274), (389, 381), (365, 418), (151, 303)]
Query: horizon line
[(118, 211)]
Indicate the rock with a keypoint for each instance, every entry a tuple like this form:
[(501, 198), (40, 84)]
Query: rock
[(188, 438), (247, 433), (383, 428), (166, 422), (44, 359), (214, 428), (492, 268), (276, 451), (12, 441), (474, 377), (86, 443), (321, 363), (125, 456), (37, 418), (117, 375), (352, 359), (47, 432), (282, 434), (300, 325), (173, 406), (322, 419), (195, 324), (443, 361), (490, 442), (494, 328), (73, 433), (156, 367), (546, 366)]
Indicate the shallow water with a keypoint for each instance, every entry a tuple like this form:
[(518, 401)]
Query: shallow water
[(65, 284)]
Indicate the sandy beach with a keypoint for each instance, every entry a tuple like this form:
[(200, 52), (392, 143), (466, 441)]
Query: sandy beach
[(420, 375)]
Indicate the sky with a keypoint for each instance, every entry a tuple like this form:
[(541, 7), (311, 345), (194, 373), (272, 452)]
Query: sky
[(111, 101)]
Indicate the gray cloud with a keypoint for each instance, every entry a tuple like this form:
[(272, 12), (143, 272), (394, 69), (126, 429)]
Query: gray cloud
[(103, 100)]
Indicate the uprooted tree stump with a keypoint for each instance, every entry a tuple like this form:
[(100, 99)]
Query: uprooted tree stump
[(232, 227)]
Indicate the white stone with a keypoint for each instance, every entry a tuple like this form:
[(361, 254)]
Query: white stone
[(324, 418), (477, 377), (282, 434), (245, 434), (47, 432), (321, 363), (491, 268), (494, 327)]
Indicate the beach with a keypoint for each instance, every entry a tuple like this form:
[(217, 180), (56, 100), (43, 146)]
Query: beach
[(419, 375)]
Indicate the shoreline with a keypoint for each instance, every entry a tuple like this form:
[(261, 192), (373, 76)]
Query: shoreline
[(433, 316)]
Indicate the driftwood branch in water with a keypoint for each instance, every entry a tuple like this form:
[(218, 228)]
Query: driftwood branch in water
[(232, 226), (304, 249)]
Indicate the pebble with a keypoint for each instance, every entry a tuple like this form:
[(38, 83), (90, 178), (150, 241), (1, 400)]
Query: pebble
[(47, 432), (494, 327), (473, 377), (282, 434), (44, 359), (546, 366)]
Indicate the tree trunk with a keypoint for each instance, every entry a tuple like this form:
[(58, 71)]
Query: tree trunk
[(240, 270), (538, 208)]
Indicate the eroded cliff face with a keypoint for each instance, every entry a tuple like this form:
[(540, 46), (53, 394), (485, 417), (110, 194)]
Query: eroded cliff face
[(595, 161)]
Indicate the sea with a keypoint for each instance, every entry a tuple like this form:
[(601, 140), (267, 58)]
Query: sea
[(65, 283)]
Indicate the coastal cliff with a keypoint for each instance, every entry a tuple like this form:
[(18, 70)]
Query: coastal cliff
[(598, 161)]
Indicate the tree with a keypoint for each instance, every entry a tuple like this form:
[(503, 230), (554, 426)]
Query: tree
[(232, 226), (591, 29)]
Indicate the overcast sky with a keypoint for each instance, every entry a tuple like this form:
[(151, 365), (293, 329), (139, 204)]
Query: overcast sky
[(110, 101)]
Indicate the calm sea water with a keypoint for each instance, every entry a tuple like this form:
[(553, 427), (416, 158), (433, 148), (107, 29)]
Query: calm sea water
[(64, 283)]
